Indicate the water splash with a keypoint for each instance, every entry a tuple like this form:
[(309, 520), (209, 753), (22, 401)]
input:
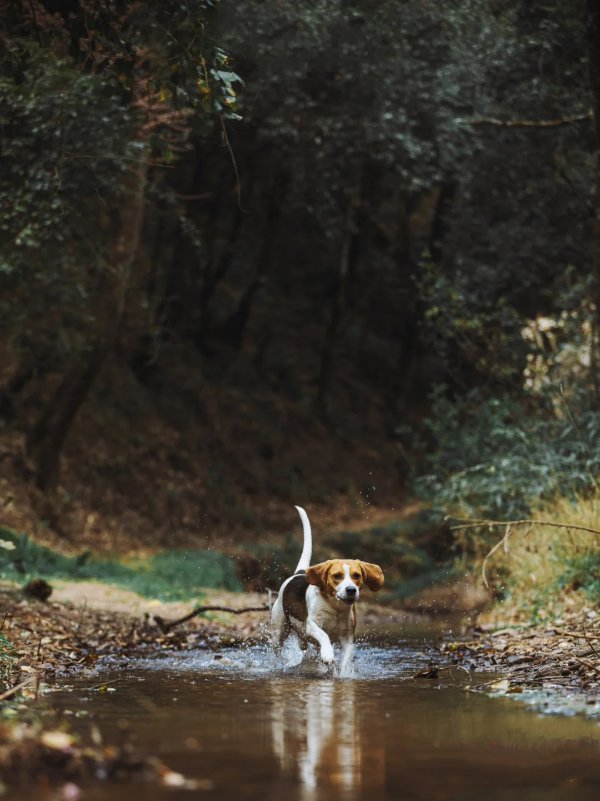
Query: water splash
[(259, 661)]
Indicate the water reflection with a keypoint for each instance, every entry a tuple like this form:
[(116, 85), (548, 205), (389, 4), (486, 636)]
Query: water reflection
[(263, 734), (317, 739)]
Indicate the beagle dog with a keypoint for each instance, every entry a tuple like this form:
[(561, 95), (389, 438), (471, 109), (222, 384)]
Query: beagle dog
[(318, 602)]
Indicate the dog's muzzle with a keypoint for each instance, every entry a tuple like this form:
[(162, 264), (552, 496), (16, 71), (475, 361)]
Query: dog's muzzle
[(349, 595)]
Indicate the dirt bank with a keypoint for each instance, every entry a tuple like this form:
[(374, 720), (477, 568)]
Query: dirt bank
[(86, 622)]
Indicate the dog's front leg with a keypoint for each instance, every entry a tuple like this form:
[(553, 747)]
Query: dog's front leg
[(317, 633), (347, 654), (278, 627)]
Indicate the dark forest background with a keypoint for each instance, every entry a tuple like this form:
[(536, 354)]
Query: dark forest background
[(341, 253)]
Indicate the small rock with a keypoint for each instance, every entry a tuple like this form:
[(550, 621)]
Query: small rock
[(58, 740), (38, 588), (173, 779), (519, 659)]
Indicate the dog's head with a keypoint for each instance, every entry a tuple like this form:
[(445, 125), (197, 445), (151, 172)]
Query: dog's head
[(342, 579)]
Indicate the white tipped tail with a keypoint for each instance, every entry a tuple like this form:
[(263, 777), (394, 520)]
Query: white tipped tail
[(307, 549)]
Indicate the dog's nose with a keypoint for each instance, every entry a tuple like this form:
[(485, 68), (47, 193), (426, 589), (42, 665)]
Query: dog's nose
[(350, 590)]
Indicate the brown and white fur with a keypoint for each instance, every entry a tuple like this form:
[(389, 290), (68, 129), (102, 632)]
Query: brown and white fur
[(318, 602)]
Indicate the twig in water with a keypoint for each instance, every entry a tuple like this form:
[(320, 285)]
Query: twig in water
[(433, 671), (165, 625), (105, 684)]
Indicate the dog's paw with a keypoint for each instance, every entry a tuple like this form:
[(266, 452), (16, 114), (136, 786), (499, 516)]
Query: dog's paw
[(327, 655)]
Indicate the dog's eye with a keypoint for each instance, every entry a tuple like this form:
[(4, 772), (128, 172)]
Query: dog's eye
[(356, 575), (338, 576)]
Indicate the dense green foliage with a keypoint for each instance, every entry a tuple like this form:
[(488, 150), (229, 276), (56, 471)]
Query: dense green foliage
[(280, 280), (72, 124), (490, 458), (66, 144), (583, 571), (477, 224)]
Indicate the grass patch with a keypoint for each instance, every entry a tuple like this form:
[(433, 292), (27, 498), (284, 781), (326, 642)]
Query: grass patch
[(550, 564), (583, 571), (7, 649), (168, 575)]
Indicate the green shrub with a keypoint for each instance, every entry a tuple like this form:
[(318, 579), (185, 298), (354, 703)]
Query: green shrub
[(7, 649), (488, 458), (582, 571)]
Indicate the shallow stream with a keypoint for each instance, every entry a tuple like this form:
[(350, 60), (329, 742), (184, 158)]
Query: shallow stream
[(250, 730)]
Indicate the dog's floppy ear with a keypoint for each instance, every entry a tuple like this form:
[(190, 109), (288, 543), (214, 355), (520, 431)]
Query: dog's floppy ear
[(317, 574), (372, 575)]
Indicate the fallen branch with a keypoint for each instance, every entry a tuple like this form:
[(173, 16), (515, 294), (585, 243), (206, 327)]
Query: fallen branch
[(21, 686), (588, 639), (577, 636), (165, 625), (467, 523), (588, 665), (471, 522)]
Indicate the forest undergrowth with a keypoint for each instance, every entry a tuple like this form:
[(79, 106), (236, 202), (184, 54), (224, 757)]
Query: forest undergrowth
[(541, 571)]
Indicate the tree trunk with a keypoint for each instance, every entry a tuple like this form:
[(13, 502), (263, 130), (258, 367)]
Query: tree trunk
[(216, 269), (348, 255), (8, 393), (592, 10), (47, 437), (234, 328)]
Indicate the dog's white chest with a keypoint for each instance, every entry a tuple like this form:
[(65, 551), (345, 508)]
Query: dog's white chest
[(335, 622)]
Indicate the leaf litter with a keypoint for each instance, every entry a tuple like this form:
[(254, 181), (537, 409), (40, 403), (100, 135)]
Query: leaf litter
[(41, 641), (554, 665)]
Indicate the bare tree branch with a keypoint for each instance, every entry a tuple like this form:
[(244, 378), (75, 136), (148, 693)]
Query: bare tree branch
[(556, 123), (467, 523)]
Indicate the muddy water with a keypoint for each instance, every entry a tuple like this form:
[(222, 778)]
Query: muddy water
[(252, 730)]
